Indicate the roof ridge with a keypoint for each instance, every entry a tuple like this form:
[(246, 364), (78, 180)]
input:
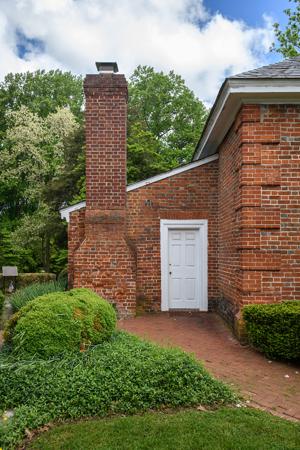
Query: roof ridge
[(287, 68)]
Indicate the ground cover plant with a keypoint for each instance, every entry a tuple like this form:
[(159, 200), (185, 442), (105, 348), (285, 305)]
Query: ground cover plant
[(123, 375), (60, 322), (186, 430), (22, 296), (274, 329)]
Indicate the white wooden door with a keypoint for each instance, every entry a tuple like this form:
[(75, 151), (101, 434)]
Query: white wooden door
[(184, 268)]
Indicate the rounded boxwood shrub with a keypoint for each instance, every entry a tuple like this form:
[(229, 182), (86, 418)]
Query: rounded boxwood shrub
[(274, 329), (60, 322)]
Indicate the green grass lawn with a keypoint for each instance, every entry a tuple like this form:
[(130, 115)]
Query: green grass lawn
[(186, 430)]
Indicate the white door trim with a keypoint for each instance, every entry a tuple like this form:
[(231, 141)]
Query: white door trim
[(201, 225)]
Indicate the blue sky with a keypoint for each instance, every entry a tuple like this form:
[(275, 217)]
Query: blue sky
[(251, 11), (202, 40)]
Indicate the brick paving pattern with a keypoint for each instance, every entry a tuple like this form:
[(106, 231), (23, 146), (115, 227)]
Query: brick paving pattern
[(274, 386)]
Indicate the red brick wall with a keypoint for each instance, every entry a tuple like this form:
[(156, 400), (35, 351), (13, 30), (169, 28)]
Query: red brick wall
[(228, 202), (189, 195), (259, 206), (76, 233)]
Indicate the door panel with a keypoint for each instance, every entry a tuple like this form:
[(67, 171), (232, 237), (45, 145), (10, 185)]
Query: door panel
[(184, 268), (190, 255)]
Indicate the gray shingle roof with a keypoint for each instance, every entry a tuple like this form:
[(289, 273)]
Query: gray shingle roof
[(288, 68)]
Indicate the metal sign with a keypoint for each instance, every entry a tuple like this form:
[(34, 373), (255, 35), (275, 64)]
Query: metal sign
[(9, 271)]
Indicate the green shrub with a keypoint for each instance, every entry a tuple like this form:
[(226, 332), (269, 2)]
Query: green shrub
[(124, 375), (60, 322), (274, 329), (22, 296), (63, 276)]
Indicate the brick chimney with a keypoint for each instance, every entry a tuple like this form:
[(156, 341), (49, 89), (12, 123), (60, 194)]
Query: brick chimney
[(106, 120), (104, 260)]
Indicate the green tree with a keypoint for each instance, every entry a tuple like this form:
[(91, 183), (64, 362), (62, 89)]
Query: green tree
[(42, 164), (162, 105), (288, 40), (41, 92), (33, 151), (38, 231), (143, 154), (68, 186), (33, 156), (12, 254), (8, 254)]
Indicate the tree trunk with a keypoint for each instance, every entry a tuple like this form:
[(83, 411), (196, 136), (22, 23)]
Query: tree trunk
[(46, 253)]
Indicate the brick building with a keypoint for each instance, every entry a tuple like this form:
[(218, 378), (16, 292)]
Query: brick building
[(218, 233)]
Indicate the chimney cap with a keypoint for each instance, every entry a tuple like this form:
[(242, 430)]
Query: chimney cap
[(107, 67)]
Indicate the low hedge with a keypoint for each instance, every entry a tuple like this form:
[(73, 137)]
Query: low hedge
[(22, 296), (122, 376), (274, 329), (24, 279), (60, 322)]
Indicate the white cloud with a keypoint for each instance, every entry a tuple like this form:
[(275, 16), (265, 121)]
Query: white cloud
[(167, 34)]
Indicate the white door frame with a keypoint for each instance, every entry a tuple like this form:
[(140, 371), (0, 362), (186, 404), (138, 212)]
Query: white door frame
[(165, 225)]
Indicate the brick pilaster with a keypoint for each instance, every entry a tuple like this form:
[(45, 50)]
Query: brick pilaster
[(269, 226)]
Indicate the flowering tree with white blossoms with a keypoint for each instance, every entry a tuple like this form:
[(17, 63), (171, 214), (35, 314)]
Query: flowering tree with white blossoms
[(32, 156)]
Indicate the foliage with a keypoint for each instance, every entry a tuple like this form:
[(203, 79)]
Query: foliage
[(22, 296), (32, 157), (42, 92), (60, 322), (7, 255), (58, 259), (143, 154), (69, 185), (12, 254), (164, 107), (289, 39), (123, 375), (63, 276), (33, 149), (39, 232), (274, 328), (2, 298), (36, 130), (42, 162), (226, 428)]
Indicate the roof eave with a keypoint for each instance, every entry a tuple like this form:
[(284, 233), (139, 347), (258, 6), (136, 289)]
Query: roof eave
[(235, 92)]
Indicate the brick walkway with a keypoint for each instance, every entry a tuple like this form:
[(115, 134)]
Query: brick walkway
[(269, 385)]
